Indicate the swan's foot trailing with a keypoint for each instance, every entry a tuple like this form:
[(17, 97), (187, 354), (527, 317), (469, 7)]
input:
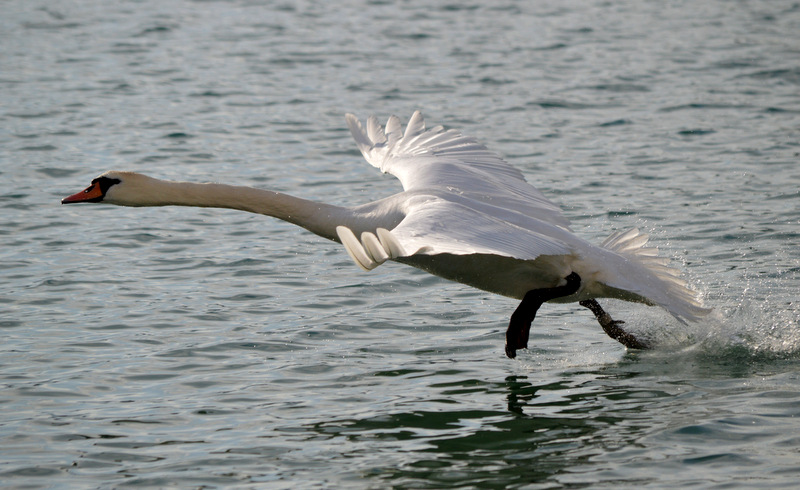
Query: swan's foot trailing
[(612, 327), (520, 325)]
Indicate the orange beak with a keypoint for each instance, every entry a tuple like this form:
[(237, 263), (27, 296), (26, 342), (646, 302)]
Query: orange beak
[(93, 193)]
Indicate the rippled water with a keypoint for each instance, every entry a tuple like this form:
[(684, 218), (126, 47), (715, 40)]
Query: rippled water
[(190, 347)]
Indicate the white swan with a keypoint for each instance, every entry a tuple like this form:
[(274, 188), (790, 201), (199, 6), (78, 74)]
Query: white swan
[(464, 214)]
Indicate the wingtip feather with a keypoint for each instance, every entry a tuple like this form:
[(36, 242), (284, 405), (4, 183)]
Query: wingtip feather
[(359, 135)]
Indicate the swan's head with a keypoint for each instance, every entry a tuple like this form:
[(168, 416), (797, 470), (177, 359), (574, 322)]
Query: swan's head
[(120, 188)]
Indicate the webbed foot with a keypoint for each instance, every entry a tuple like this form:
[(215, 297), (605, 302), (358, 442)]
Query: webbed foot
[(613, 327)]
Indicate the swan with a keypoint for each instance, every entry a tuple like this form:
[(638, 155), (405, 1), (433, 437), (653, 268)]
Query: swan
[(464, 215)]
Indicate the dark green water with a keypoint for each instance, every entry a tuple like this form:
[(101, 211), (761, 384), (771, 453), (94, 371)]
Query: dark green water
[(196, 347)]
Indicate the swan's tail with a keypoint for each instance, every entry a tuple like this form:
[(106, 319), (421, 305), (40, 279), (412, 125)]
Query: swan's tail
[(652, 278)]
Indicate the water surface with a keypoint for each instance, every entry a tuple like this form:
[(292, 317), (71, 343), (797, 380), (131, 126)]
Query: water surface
[(197, 347)]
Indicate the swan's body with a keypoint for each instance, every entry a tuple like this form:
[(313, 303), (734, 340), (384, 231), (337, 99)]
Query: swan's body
[(464, 214)]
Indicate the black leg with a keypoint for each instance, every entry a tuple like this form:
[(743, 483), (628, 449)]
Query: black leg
[(519, 326), (612, 327)]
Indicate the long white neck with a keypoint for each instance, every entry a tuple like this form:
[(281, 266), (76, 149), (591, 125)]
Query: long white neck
[(319, 218)]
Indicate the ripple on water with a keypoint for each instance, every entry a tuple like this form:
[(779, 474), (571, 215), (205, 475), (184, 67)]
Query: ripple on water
[(188, 347)]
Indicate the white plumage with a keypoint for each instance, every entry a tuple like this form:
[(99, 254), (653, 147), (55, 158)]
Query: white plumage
[(472, 218), (464, 214)]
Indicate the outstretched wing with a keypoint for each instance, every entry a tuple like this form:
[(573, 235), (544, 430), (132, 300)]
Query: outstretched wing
[(463, 198), (446, 160)]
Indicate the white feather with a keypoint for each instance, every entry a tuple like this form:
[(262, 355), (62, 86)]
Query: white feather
[(464, 214), (464, 206)]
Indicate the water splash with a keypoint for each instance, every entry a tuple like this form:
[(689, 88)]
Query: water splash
[(761, 330)]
